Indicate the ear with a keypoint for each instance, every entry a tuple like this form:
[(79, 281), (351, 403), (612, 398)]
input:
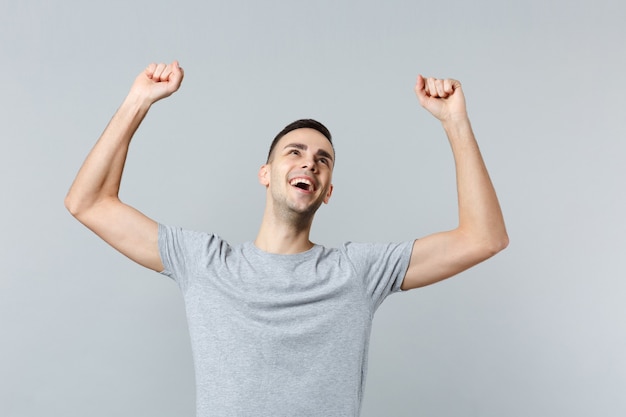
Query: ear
[(328, 194), (264, 175)]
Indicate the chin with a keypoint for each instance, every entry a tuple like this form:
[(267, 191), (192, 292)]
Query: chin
[(306, 210)]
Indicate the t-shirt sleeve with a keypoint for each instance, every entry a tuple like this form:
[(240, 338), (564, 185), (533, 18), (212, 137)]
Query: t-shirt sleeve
[(185, 253), (382, 266)]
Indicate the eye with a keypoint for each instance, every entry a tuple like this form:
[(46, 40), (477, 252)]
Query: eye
[(323, 161), (294, 152)]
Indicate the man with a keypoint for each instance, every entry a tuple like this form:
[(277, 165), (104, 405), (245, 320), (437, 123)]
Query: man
[(280, 326)]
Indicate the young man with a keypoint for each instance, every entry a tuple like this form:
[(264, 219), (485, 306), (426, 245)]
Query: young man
[(280, 326)]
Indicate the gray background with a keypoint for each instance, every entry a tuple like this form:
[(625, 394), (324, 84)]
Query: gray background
[(536, 331)]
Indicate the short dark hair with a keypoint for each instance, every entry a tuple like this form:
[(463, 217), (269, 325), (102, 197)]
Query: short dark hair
[(301, 124)]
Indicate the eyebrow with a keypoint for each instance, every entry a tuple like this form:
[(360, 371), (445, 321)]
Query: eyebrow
[(302, 146)]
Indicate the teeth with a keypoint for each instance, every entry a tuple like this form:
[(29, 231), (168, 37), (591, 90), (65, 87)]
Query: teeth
[(297, 181)]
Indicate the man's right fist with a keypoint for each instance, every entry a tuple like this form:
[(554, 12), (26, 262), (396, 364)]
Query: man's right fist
[(158, 81)]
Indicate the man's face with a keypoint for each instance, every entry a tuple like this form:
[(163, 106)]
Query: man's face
[(299, 174)]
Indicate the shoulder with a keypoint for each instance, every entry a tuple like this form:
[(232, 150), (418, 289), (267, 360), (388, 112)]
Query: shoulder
[(179, 234), (190, 245), (373, 251), (369, 257)]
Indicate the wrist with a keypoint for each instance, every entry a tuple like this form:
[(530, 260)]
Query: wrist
[(456, 124), (137, 101)]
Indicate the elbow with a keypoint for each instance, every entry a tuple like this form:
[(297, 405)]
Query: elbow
[(76, 210), (85, 207), (504, 242), (71, 205), (495, 244), (76, 205), (481, 248)]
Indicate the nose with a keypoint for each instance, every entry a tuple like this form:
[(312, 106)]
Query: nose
[(309, 163)]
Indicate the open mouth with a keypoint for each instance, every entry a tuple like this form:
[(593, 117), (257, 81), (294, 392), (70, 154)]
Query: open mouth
[(302, 183)]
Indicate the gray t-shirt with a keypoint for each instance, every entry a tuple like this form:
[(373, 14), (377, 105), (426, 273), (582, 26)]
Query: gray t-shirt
[(280, 335)]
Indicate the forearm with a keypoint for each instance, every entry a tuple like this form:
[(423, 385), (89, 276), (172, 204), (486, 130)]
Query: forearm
[(480, 216), (100, 176)]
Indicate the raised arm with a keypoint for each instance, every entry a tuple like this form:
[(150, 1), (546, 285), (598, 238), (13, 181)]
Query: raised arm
[(481, 232), (93, 197)]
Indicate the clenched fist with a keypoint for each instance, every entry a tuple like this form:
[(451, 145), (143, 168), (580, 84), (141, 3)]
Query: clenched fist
[(442, 97), (158, 81)]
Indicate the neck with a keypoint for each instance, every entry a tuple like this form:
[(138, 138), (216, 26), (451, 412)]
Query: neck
[(284, 236)]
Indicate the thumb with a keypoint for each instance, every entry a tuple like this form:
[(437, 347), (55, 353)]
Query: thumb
[(176, 76), (420, 89), (426, 93)]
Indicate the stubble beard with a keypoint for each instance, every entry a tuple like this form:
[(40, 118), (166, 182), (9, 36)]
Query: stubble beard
[(299, 218)]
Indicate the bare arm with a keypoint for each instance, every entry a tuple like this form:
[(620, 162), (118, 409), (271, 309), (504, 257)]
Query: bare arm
[(481, 232), (93, 197)]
